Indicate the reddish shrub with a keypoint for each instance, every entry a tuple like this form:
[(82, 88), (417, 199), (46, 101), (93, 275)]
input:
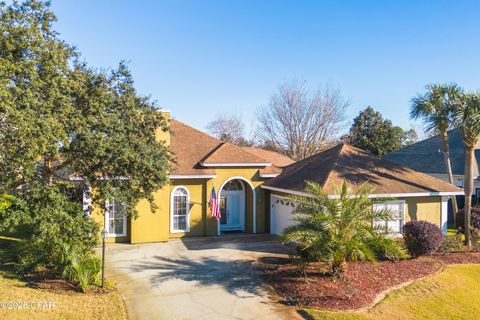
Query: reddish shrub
[(422, 237)]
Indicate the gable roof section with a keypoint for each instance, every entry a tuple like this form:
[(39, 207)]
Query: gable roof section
[(275, 158), (355, 166), (226, 154), (426, 155), (191, 147)]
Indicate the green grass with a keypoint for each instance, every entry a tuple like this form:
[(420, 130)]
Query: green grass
[(8, 254), (452, 294)]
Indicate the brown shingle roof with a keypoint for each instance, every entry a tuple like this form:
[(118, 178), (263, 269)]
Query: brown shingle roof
[(273, 169), (228, 153), (355, 166), (191, 147), (273, 157)]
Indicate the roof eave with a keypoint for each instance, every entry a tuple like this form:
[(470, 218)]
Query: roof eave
[(268, 175), (191, 176), (236, 164), (379, 195)]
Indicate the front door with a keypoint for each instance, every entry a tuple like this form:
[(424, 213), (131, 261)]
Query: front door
[(232, 209)]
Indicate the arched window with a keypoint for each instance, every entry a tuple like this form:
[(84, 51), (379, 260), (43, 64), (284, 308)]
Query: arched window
[(233, 185), (179, 208)]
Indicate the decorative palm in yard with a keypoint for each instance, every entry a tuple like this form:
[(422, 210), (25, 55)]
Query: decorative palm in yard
[(339, 228), (467, 114), (435, 108)]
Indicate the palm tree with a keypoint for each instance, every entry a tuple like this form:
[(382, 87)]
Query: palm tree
[(467, 114), (340, 227), (435, 108)]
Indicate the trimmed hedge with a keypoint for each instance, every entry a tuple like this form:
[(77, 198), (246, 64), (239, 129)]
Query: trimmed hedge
[(422, 238), (474, 218)]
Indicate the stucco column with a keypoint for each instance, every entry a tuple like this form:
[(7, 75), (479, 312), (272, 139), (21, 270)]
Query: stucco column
[(212, 224), (444, 215)]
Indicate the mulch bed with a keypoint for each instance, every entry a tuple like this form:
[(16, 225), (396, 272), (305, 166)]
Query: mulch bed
[(359, 286), (53, 285)]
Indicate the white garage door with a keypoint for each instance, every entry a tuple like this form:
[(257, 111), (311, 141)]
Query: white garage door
[(281, 214)]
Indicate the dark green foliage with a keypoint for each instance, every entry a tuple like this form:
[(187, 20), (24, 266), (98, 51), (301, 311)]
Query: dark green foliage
[(51, 222), (11, 213), (79, 267), (422, 237), (451, 243), (474, 218), (339, 229), (59, 117), (436, 107), (371, 132), (387, 249)]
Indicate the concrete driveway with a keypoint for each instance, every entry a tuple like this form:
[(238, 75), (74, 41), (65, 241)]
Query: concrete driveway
[(197, 278)]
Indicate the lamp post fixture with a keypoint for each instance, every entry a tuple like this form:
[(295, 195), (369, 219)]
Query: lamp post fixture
[(104, 235)]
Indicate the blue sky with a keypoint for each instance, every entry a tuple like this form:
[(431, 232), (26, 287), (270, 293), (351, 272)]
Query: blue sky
[(201, 58)]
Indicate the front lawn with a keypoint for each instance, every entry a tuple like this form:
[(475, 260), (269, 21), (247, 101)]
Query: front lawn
[(50, 299), (452, 294)]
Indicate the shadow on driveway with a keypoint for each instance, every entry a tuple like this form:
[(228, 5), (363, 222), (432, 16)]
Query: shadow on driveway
[(232, 275)]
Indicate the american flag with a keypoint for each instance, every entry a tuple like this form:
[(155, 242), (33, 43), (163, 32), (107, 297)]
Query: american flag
[(213, 203)]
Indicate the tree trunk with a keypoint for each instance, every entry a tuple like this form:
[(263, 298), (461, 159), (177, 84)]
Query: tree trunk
[(468, 188), (48, 170), (448, 167), (339, 267)]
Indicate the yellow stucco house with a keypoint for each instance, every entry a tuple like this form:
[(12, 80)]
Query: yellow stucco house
[(252, 184)]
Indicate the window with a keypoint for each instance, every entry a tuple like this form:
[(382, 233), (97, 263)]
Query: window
[(180, 208), (396, 209), (116, 218), (233, 185)]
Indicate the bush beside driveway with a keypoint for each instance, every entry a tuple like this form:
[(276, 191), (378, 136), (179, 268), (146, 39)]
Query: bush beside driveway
[(48, 298)]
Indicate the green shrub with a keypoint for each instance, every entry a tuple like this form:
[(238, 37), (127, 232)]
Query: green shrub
[(387, 249), (451, 243), (86, 271), (65, 262), (338, 229), (78, 267), (51, 221)]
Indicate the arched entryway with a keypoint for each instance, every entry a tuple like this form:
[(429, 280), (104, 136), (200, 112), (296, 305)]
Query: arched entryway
[(233, 196), (232, 206)]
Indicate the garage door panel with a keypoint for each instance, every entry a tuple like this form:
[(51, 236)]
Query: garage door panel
[(282, 213)]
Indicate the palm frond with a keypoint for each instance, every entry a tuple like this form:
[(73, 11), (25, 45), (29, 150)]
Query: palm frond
[(335, 227)]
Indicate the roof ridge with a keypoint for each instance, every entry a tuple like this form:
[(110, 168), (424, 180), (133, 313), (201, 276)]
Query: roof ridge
[(197, 130), (237, 149), (220, 143), (243, 148), (211, 152), (334, 163)]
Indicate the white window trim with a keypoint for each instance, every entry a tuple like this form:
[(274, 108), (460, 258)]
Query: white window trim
[(402, 202), (107, 224), (172, 230)]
